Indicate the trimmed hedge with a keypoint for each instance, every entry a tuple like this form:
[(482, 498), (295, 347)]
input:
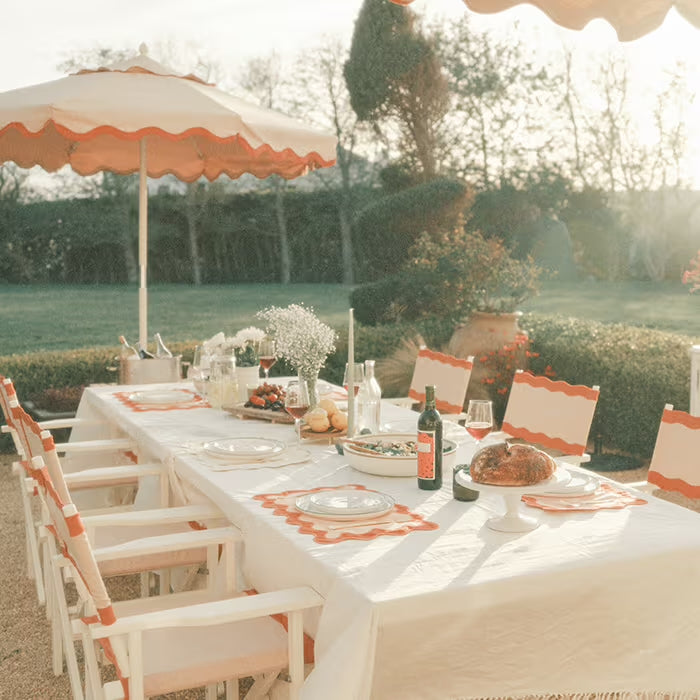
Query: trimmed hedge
[(638, 370)]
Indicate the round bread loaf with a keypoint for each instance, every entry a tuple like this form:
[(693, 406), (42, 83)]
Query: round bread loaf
[(511, 465)]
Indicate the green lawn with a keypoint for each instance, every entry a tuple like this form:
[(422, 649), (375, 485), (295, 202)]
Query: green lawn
[(666, 306), (67, 317)]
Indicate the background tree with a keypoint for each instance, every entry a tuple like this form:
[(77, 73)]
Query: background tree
[(320, 95), (501, 109), (397, 84), (262, 78)]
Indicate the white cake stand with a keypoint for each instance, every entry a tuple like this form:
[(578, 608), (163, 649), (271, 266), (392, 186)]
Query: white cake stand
[(514, 519)]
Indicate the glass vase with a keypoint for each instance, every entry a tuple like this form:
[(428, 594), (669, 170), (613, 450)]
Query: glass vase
[(311, 379)]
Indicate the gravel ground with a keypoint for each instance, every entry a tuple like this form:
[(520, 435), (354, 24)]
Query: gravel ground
[(25, 653)]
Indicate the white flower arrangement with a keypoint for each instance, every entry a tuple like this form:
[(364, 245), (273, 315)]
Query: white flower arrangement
[(245, 345), (302, 339)]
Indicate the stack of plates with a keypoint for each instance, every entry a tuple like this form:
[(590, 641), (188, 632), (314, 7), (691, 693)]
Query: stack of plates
[(162, 397), (245, 449), (345, 504)]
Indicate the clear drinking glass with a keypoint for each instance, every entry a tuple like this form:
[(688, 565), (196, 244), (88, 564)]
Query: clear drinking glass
[(222, 388), (267, 353), (198, 371), (358, 376), (296, 402), (479, 422)]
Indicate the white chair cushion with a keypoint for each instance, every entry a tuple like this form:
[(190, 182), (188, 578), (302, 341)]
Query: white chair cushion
[(110, 536), (179, 658)]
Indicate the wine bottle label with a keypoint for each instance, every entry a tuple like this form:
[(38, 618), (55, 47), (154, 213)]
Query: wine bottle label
[(426, 454)]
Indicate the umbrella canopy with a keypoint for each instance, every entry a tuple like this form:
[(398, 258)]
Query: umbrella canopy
[(139, 115), (630, 18)]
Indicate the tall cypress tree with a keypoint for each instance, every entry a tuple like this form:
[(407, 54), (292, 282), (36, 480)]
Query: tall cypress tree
[(395, 77)]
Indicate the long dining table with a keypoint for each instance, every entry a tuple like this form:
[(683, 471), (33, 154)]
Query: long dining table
[(587, 604)]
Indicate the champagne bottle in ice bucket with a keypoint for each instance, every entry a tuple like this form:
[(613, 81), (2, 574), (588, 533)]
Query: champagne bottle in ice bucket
[(161, 349)]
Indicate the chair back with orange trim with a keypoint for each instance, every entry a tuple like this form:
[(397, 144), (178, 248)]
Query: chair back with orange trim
[(8, 399), (449, 374), (7, 392), (675, 464), (552, 414), (40, 443), (66, 526)]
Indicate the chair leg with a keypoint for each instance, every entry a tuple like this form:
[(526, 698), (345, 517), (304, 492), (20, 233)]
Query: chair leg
[(33, 561), (211, 692), (145, 584), (232, 689), (261, 685), (63, 624)]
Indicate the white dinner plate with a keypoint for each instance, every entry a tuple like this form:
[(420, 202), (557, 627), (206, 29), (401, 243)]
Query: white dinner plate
[(162, 397), (580, 484), (345, 504), (245, 447)]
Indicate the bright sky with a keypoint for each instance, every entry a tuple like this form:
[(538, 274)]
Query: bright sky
[(36, 35)]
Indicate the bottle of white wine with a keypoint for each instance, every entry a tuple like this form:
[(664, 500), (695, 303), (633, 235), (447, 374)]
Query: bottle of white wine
[(161, 350), (429, 444), (369, 401), (128, 350), (144, 354)]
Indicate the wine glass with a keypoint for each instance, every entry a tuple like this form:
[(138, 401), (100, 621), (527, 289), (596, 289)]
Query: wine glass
[(199, 370), (479, 422), (358, 376), (296, 402), (267, 352)]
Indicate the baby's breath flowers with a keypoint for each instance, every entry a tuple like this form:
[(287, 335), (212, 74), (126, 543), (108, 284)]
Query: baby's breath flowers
[(302, 339)]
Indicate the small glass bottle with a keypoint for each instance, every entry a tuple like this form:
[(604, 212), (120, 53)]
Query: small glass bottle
[(429, 444), (369, 399), (459, 492)]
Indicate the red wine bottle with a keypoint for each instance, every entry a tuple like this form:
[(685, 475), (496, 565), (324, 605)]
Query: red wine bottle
[(429, 444)]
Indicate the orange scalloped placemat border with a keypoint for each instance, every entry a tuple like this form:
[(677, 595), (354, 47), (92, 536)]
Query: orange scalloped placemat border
[(197, 402), (310, 526), (618, 498)]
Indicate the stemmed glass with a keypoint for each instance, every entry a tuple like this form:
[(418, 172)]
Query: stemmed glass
[(199, 370), (296, 402), (358, 376), (267, 352), (479, 422)]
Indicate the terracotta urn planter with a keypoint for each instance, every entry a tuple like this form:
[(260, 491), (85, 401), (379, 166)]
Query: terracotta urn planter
[(483, 333)]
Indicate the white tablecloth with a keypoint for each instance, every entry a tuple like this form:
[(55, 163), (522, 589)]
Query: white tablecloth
[(588, 603)]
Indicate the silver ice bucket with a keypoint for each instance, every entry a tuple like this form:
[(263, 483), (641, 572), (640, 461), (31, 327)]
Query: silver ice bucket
[(157, 370)]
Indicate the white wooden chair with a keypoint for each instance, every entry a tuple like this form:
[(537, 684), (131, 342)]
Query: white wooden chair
[(449, 374), (553, 415), (115, 444), (34, 570), (170, 644), (675, 462), (113, 531)]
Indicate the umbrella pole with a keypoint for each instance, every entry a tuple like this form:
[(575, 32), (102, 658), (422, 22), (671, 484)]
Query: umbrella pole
[(143, 246)]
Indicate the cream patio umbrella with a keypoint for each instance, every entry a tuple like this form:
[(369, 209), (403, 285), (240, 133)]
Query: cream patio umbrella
[(630, 18), (139, 115)]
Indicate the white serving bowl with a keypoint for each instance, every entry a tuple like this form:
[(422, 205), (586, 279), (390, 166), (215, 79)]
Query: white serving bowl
[(394, 465)]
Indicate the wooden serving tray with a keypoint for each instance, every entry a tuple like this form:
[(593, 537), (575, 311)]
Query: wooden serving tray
[(241, 411), (328, 436)]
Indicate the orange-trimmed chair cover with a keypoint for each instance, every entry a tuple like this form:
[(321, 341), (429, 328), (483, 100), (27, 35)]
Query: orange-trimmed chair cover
[(449, 374), (675, 464), (553, 414)]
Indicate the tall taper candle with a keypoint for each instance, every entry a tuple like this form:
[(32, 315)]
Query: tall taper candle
[(351, 375)]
